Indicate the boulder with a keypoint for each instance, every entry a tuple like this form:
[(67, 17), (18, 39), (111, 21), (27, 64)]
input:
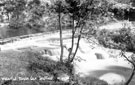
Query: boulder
[(100, 54), (64, 78)]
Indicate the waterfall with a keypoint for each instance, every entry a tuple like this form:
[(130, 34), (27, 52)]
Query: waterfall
[(54, 53)]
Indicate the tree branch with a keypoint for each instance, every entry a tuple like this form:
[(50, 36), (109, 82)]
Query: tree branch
[(131, 76), (78, 42), (80, 22), (122, 53), (133, 71)]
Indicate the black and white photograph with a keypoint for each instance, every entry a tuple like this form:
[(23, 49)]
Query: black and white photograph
[(67, 42)]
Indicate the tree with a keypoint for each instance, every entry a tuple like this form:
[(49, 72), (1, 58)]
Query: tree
[(61, 40), (80, 13), (34, 15), (14, 8), (58, 7), (84, 13), (25, 14)]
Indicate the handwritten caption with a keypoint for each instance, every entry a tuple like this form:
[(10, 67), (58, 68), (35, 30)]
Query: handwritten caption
[(25, 78)]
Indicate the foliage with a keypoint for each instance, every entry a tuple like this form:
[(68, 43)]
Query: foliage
[(34, 13), (24, 14), (124, 40), (43, 66), (84, 14), (80, 13), (13, 8), (121, 39)]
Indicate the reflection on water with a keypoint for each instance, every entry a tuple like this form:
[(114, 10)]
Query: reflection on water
[(114, 69), (123, 71), (6, 32)]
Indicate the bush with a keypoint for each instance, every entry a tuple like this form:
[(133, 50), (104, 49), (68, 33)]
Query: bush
[(43, 66), (121, 39)]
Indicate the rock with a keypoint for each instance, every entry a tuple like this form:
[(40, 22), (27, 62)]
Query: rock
[(64, 78), (113, 79), (54, 58), (88, 60), (101, 54)]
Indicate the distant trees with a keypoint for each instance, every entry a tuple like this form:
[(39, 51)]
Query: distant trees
[(13, 8), (132, 2), (24, 13), (34, 14)]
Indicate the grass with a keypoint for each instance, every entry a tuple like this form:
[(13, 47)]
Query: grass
[(10, 64), (25, 63)]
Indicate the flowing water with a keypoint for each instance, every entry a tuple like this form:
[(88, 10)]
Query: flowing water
[(88, 59)]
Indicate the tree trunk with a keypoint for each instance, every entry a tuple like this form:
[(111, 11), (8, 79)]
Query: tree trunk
[(78, 43), (7, 16), (72, 44), (61, 40)]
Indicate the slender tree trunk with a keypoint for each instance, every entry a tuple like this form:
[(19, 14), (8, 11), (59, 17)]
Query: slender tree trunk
[(70, 52), (61, 40), (55, 77), (78, 43), (131, 76), (72, 44), (7, 17)]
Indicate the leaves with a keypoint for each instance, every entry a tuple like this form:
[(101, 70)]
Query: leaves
[(122, 39)]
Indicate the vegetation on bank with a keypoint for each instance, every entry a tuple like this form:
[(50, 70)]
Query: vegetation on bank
[(124, 40), (29, 64), (81, 15)]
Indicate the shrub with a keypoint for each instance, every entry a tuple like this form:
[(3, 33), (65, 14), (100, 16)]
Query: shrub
[(43, 66), (121, 39)]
